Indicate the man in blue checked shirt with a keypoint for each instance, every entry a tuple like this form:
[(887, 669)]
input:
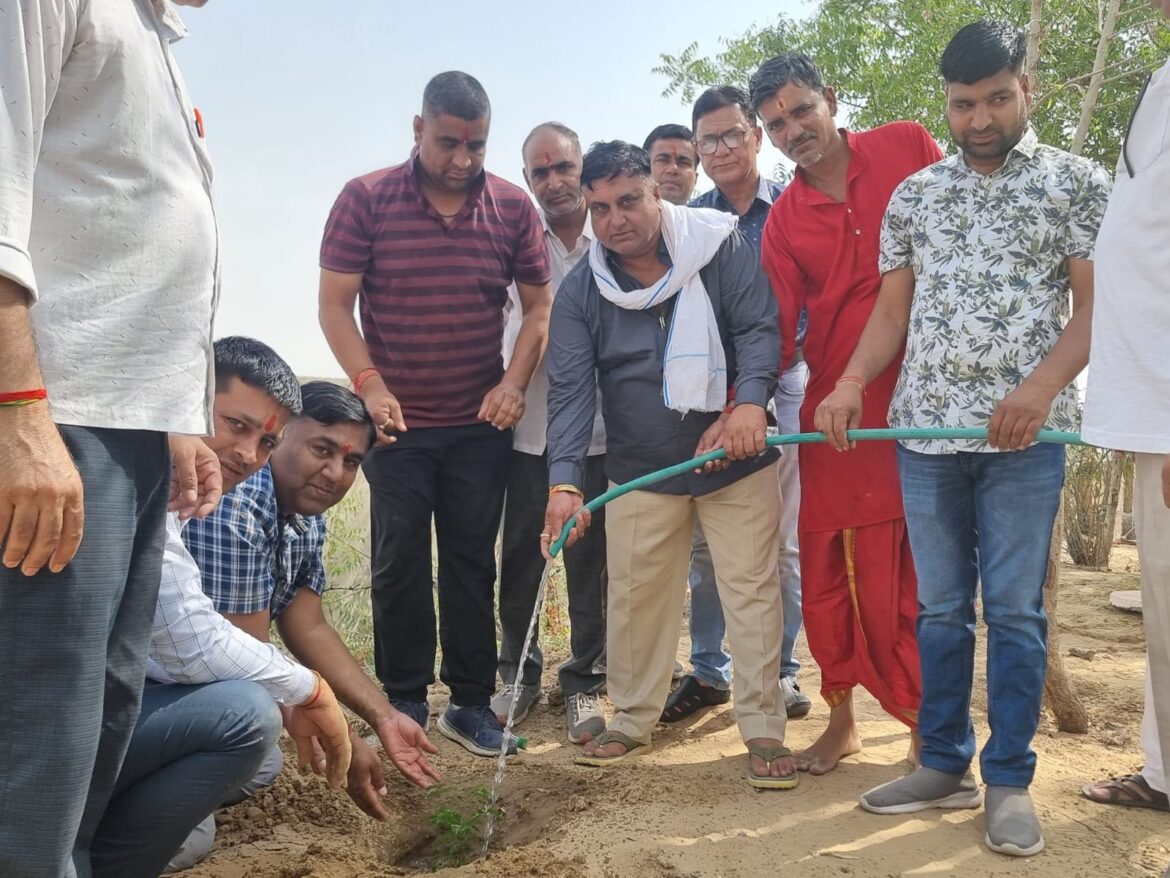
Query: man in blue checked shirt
[(260, 555)]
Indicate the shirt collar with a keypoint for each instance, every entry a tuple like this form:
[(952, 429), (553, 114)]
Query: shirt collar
[(764, 193), (806, 193), (169, 20), (474, 194), (1023, 151), (586, 232)]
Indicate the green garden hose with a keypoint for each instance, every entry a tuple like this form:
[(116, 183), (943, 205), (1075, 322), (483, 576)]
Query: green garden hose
[(678, 469)]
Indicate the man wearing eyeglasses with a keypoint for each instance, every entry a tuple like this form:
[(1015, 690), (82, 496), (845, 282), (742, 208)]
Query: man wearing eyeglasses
[(728, 142)]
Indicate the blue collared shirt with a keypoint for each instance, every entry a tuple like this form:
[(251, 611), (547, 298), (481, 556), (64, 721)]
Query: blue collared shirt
[(752, 222), (250, 556)]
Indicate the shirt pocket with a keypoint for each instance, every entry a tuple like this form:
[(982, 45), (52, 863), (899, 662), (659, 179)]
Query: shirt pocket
[(1147, 138)]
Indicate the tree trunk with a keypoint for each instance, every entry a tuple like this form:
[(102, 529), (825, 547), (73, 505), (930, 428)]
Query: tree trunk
[(1108, 27), (1033, 57), (1059, 694), (1128, 533)]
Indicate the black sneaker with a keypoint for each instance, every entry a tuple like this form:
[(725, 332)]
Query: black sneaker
[(690, 697)]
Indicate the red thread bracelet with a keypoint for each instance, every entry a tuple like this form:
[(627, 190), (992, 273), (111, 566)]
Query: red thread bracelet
[(316, 692), (362, 377), (851, 379), (23, 397)]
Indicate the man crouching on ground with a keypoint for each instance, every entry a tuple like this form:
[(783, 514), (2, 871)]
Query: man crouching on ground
[(669, 310)]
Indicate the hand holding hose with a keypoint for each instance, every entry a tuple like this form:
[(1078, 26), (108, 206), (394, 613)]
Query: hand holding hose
[(839, 412), (562, 506)]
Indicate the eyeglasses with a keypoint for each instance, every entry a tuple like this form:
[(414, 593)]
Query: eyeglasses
[(732, 139)]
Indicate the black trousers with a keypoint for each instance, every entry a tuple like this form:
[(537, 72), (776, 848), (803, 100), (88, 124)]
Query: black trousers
[(522, 565), (457, 476)]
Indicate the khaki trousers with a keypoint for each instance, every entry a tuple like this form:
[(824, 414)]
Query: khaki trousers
[(1152, 520), (648, 537)]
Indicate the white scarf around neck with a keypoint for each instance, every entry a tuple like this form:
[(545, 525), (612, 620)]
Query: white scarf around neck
[(694, 367)]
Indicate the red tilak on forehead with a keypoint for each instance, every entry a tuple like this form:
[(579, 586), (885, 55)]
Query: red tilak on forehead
[(466, 133), (548, 159), (270, 424), (346, 448)]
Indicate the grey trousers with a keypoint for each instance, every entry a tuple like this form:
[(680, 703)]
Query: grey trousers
[(72, 657)]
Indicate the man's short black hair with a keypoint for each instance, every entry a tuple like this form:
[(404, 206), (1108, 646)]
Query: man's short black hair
[(259, 366), (559, 127), (329, 403), (457, 94), (719, 97), (775, 73), (613, 158), (669, 131), (983, 49)]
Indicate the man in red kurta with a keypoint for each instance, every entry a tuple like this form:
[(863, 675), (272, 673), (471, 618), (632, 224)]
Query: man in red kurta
[(820, 249)]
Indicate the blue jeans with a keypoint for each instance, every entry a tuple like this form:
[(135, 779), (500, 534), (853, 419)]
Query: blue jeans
[(192, 748), (982, 517), (711, 662)]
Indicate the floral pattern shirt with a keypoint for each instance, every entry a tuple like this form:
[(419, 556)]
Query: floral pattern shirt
[(991, 287)]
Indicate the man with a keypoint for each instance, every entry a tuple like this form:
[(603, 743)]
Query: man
[(978, 254), (424, 242), (819, 248), (209, 719), (673, 163), (107, 290), (669, 307), (552, 170), (260, 557), (729, 140), (1126, 402)]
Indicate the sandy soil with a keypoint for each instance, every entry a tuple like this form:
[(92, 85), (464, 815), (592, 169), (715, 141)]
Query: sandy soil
[(686, 809)]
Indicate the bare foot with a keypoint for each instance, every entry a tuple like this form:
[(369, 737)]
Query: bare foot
[(779, 767), (840, 739), (914, 757)]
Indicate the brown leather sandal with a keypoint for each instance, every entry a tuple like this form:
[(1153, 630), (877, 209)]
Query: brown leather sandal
[(1131, 791)]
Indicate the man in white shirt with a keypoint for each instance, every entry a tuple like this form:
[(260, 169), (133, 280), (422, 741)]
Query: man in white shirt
[(552, 169), (1127, 404), (109, 274), (209, 721)]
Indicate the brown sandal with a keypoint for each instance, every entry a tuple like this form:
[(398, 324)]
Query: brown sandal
[(1132, 791)]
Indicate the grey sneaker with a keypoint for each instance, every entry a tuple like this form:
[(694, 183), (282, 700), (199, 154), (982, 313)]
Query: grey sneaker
[(1012, 827), (502, 702), (921, 789), (796, 703), (584, 717)]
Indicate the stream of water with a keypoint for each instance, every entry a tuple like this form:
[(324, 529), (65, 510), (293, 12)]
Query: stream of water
[(489, 826)]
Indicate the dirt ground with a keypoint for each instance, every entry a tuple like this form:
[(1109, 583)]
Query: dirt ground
[(685, 810)]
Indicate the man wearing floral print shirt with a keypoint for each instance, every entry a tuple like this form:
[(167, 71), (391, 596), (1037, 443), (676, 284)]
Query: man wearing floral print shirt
[(978, 254)]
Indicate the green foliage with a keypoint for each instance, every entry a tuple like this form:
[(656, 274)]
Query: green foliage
[(459, 830), (882, 58)]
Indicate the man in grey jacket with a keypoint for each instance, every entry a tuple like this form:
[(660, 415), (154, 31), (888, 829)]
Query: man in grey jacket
[(668, 313)]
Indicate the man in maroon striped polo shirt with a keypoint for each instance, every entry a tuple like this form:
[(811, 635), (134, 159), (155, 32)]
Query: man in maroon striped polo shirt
[(428, 249)]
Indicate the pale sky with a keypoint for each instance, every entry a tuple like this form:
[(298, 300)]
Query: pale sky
[(300, 96)]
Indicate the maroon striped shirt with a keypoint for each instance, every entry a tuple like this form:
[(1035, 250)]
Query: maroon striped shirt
[(432, 296)]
